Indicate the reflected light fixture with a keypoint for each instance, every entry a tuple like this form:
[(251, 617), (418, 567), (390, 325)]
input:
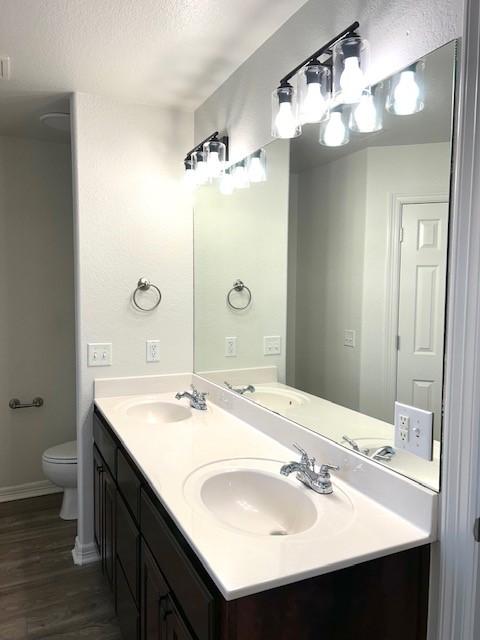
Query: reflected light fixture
[(257, 166), (367, 115), (225, 184), (240, 175), (406, 91), (334, 132), (189, 174)]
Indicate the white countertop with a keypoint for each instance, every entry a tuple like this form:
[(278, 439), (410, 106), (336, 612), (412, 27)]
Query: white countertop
[(241, 564)]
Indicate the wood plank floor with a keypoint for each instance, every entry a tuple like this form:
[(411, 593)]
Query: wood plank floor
[(43, 596)]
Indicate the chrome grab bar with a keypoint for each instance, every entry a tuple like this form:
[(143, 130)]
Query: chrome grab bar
[(16, 404)]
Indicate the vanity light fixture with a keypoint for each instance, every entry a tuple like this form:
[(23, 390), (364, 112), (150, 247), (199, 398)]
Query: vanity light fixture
[(350, 61), (405, 94), (189, 174), (207, 159), (335, 132), (287, 118), (257, 166)]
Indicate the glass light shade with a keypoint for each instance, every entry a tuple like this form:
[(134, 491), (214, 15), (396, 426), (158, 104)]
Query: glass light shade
[(215, 153), (226, 184), (285, 123), (367, 115), (335, 132), (200, 167), (407, 90), (350, 63), (189, 175), (240, 176), (257, 166), (314, 89)]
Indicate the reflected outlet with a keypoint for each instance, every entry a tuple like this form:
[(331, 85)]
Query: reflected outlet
[(414, 430)]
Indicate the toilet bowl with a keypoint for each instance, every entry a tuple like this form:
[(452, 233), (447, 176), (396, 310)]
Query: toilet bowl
[(60, 467)]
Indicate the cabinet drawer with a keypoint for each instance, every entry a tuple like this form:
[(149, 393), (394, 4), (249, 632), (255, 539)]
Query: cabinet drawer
[(105, 444), (190, 593), (127, 613), (129, 484), (128, 547)]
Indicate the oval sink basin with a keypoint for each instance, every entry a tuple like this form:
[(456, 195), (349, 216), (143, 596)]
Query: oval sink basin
[(278, 400), (158, 412), (258, 503), (250, 496)]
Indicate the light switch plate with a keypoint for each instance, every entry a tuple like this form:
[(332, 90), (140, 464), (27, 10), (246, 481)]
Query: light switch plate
[(414, 430), (153, 350), (231, 347), (99, 354), (349, 338), (272, 345)]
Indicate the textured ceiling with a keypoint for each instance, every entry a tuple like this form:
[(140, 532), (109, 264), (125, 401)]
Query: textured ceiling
[(162, 52)]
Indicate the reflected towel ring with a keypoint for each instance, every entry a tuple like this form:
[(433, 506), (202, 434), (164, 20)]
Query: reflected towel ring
[(239, 286), (144, 285)]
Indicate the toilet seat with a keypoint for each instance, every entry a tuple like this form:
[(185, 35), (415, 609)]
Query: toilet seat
[(65, 453)]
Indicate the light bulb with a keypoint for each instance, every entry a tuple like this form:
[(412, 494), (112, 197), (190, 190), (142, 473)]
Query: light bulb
[(285, 122), (201, 173), (365, 114), (314, 104), (335, 132), (214, 166), (256, 170), (240, 177), (351, 80), (226, 185), (406, 94)]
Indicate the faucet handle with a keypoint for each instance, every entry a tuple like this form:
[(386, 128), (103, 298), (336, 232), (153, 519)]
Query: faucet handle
[(306, 459), (228, 385), (326, 468)]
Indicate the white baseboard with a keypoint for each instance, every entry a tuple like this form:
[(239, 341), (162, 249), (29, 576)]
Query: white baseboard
[(28, 490), (84, 553)]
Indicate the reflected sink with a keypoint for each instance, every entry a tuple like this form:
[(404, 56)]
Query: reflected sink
[(250, 496), (158, 412), (277, 399)]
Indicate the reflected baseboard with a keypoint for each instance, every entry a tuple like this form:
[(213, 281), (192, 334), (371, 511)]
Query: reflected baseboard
[(28, 490)]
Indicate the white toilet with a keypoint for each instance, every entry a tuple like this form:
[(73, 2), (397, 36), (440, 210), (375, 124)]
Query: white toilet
[(60, 466)]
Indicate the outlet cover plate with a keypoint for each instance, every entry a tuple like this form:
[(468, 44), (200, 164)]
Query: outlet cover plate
[(272, 345), (153, 350), (230, 347), (414, 430), (99, 354)]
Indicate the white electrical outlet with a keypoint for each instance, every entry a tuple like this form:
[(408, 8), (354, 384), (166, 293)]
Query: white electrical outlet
[(349, 338), (99, 354), (272, 345), (231, 347), (153, 350), (414, 430)]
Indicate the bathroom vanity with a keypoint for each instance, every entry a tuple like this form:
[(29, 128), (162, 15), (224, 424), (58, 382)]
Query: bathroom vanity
[(183, 566)]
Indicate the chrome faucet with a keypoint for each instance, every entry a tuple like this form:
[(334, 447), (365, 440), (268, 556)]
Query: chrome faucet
[(384, 454), (241, 390), (197, 398), (354, 444), (320, 481)]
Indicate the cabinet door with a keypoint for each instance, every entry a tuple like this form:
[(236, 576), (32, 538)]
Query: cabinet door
[(108, 538), (98, 499), (175, 628), (154, 597)]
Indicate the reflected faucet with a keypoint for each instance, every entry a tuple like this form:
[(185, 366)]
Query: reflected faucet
[(241, 390), (382, 454)]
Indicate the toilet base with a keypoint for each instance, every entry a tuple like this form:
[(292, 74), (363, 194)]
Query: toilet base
[(69, 510)]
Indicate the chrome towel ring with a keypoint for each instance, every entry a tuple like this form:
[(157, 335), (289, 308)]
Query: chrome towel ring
[(144, 285), (239, 286)]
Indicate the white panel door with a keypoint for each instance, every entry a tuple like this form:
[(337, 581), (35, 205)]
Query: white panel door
[(421, 311)]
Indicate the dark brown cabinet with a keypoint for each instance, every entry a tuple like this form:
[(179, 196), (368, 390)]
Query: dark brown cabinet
[(162, 592)]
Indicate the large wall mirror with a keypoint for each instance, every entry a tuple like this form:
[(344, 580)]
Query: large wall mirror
[(321, 292)]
